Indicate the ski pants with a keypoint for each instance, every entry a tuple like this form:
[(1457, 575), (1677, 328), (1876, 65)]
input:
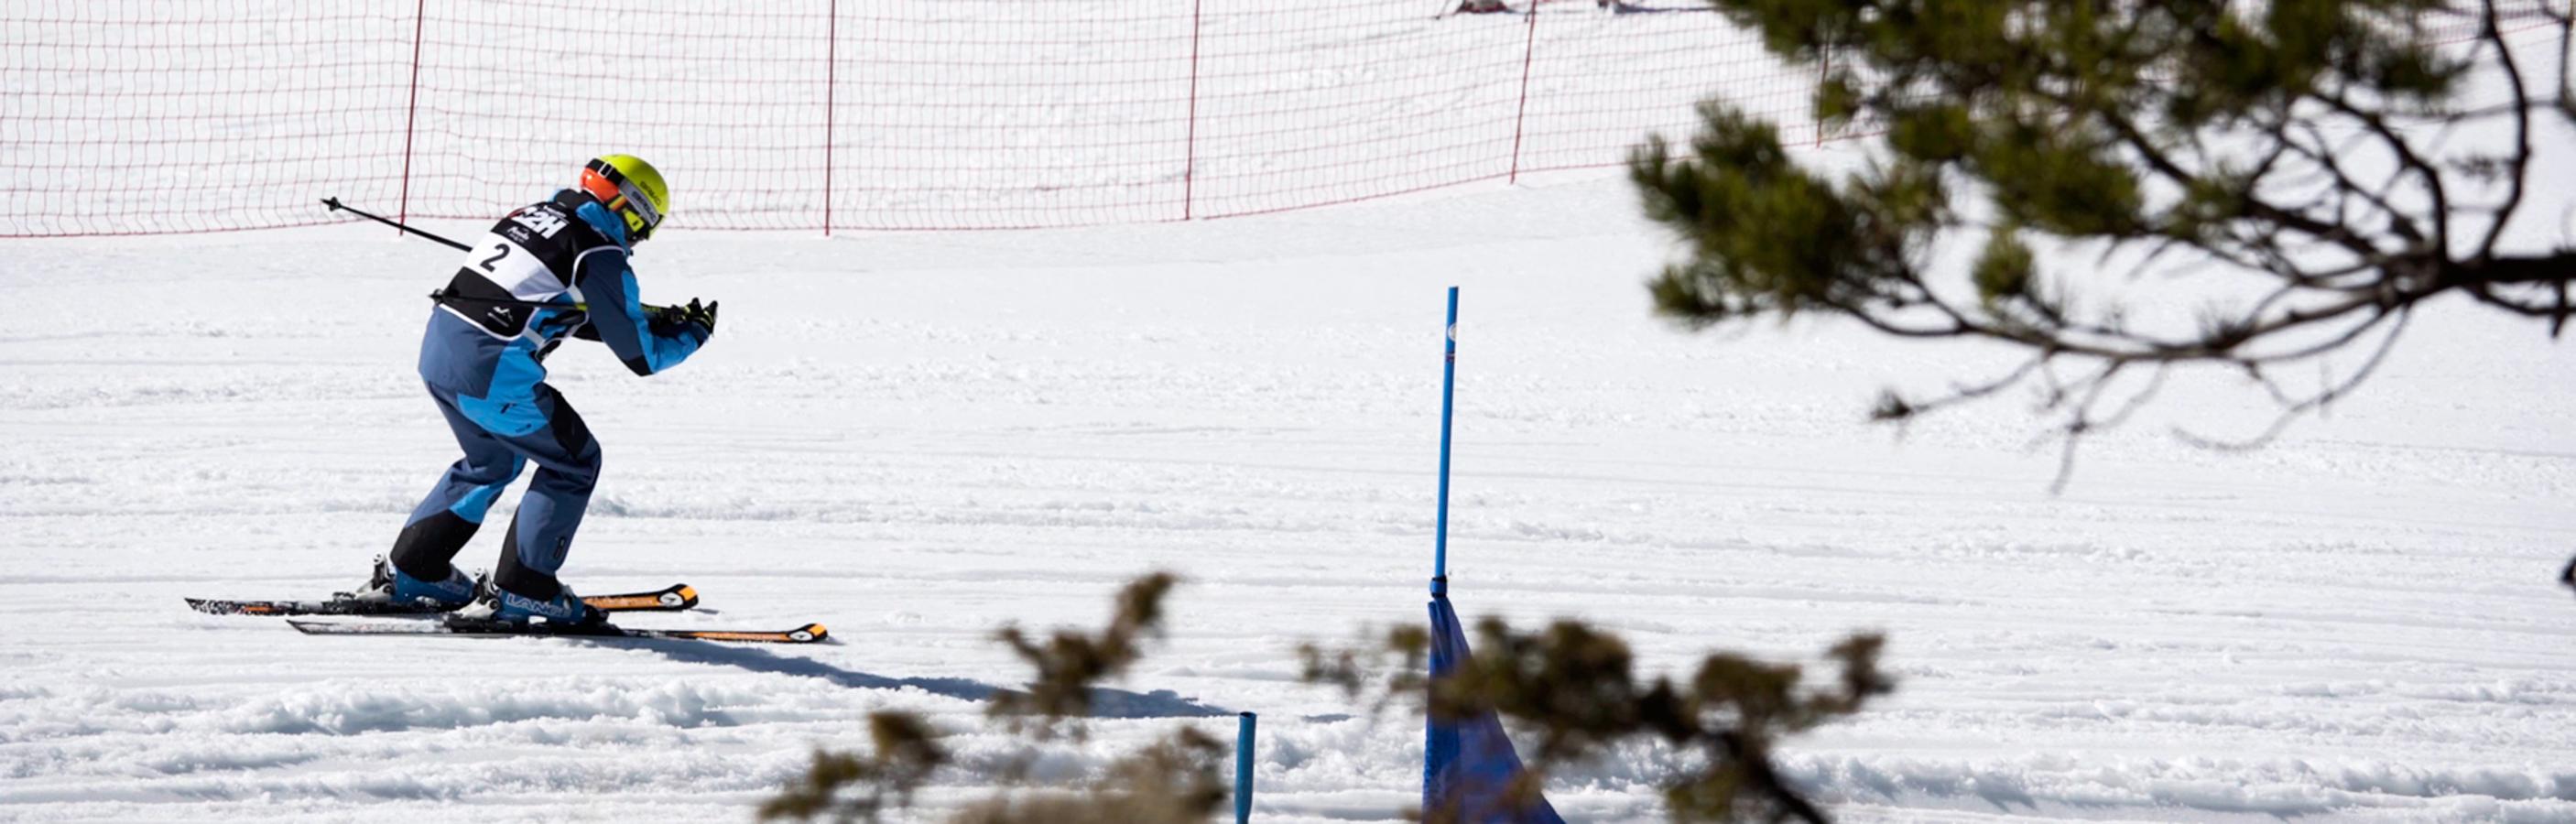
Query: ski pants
[(499, 440)]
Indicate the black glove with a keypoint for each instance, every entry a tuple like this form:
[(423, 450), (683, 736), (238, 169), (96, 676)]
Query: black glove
[(704, 317), (663, 321), (674, 321)]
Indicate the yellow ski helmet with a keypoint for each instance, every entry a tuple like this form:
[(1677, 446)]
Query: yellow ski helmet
[(631, 189)]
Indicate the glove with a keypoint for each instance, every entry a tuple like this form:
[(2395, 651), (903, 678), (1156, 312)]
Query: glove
[(674, 321), (703, 317), (662, 321)]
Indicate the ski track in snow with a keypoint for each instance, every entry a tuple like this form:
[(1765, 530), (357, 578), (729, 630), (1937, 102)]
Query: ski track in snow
[(918, 438)]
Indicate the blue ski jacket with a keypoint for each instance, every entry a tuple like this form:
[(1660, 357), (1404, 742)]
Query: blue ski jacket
[(550, 270)]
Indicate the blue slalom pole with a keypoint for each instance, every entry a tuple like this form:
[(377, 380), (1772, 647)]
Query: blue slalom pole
[(1448, 389), (1243, 771)]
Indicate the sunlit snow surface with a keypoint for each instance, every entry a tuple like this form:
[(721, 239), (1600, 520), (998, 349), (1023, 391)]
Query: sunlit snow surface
[(918, 438)]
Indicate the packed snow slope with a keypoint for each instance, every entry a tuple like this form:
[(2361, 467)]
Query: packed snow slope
[(920, 438)]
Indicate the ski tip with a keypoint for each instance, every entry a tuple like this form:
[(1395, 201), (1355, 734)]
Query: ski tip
[(673, 598), (212, 606), (807, 634)]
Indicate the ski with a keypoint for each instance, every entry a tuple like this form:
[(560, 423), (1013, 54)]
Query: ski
[(807, 634), (673, 599)]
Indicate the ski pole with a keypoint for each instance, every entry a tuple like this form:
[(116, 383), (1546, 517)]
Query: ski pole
[(337, 206), (442, 294)]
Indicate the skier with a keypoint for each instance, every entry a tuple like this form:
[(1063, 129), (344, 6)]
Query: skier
[(550, 270)]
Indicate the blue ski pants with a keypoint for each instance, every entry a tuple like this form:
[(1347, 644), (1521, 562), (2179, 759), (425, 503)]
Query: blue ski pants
[(499, 440)]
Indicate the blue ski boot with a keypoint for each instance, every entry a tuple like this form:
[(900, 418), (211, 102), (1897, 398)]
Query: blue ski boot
[(564, 610), (390, 585)]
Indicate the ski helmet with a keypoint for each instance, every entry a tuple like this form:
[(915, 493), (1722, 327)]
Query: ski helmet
[(630, 188)]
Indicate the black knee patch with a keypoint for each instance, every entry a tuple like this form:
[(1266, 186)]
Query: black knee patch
[(567, 428), (427, 548)]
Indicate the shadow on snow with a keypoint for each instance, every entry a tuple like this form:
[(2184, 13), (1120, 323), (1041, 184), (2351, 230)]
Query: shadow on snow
[(1105, 702)]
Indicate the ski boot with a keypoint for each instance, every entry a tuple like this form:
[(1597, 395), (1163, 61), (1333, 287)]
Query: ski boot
[(566, 609), (390, 585)]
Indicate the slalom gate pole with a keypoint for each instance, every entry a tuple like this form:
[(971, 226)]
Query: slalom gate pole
[(1448, 389), (337, 206), (1243, 771)]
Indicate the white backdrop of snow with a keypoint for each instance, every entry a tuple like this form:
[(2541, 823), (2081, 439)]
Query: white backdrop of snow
[(917, 438)]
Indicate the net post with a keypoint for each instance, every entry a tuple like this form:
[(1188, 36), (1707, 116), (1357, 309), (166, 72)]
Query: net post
[(1529, 49), (831, 85), (411, 114), (1190, 158)]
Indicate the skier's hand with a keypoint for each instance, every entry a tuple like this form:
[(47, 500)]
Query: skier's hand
[(665, 321), (703, 317)]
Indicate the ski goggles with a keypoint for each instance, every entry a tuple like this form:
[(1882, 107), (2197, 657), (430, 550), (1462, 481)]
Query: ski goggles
[(621, 196)]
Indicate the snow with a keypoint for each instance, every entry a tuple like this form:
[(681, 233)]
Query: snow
[(918, 438)]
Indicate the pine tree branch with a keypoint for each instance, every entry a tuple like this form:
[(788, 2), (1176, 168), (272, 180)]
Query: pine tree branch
[(1764, 779), (2407, 157), (2552, 268), (2493, 35), (2323, 156), (2293, 411)]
